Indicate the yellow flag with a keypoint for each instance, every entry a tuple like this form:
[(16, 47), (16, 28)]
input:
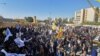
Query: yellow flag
[(98, 0), (53, 26), (60, 30), (60, 33)]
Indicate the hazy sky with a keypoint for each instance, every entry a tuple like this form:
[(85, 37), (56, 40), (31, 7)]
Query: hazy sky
[(42, 8)]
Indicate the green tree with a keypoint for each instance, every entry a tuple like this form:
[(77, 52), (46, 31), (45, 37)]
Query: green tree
[(91, 23), (65, 20), (96, 14), (1, 18), (46, 21), (49, 20), (29, 19), (71, 20)]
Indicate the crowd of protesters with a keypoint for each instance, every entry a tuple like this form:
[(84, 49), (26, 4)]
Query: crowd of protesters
[(42, 41)]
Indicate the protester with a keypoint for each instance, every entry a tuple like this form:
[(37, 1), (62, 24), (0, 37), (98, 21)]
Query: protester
[(94, 52), (42, 41)]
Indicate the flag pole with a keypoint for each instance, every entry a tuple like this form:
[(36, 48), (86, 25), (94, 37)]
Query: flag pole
[(91, 5)]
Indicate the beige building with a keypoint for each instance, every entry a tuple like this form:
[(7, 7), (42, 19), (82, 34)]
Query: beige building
[(79, 16), (34, 19), (86, 15)]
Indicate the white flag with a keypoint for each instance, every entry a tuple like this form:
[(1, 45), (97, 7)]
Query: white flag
[(97, 38), (19, 42), (11, 54), (15, 54), (8, 34)]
